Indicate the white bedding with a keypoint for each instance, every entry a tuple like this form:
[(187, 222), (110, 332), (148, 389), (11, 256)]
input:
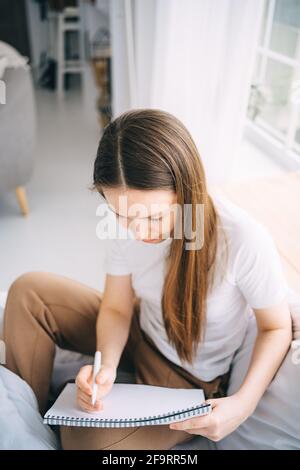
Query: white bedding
[(21, 424)]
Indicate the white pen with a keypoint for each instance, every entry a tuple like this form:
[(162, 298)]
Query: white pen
[(96, 368)]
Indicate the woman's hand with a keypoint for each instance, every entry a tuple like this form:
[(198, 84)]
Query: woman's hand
[(84, 381), (226, 415)]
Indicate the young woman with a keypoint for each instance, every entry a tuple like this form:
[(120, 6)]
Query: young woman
[(176, 312)]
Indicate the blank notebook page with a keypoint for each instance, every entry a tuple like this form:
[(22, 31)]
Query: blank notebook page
[(129, 405)]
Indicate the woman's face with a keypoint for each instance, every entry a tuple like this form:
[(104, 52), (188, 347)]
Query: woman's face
[(149, 214)]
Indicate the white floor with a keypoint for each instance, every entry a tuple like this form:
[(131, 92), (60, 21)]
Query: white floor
[(254, 163), (59, 234)]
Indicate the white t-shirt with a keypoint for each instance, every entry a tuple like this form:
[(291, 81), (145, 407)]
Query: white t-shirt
[(253, 278)]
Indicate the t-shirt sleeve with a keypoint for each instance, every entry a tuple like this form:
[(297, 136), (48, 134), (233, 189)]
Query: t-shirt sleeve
[(115, 261), (258, 269)]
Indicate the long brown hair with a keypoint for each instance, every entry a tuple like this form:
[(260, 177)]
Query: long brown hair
[(151, 149)]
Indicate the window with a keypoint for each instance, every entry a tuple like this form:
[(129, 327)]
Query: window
[(274, 104)]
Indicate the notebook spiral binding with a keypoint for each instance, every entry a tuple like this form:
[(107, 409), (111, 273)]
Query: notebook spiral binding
[(120, 423)]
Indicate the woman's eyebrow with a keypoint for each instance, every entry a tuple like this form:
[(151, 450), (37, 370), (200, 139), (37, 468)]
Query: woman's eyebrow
[(147, 217)]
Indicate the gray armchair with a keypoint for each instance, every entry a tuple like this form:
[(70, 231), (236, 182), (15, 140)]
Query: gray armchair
[(17, 133)]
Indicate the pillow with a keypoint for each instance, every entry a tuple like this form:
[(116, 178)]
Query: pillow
[(20, 421)]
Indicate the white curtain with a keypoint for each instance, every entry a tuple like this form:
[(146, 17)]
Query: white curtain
[(193, 58)]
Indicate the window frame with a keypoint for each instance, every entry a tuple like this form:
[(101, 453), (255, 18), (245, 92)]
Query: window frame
[(275, 140)]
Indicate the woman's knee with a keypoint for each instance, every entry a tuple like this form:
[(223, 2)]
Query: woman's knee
[(19, 294), (25, 281)]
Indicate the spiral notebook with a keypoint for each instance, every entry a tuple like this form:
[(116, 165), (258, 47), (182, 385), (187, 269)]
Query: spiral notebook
[(129, 405)]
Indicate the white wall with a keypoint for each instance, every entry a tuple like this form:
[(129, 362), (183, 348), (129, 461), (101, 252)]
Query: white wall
[(38, 32)]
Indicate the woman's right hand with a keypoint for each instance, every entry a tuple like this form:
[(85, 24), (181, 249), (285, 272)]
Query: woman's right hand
[(84, 380)]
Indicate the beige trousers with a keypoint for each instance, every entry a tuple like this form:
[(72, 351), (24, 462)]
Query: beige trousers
[(44, 309)]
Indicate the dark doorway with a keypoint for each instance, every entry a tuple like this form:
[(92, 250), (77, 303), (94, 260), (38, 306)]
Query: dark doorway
[(13, 25)]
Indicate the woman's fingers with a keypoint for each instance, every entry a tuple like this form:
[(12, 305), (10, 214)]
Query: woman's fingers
[(86, 403), (197, 422), (205, 432), (84, 378), (104, 380), (86, 398), (88, 408)]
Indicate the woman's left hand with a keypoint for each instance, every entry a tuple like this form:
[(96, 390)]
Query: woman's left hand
[(226, 415)]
